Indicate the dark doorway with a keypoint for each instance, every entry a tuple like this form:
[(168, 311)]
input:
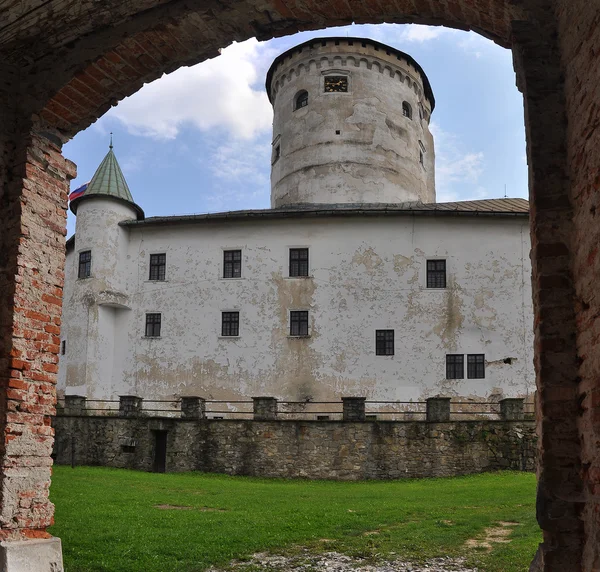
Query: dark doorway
[(160, 451)]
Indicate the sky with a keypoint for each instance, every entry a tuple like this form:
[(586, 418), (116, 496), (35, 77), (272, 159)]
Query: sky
[(199, 139)]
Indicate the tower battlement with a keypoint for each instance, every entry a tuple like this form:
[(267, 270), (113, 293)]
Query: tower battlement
[(351, 125)]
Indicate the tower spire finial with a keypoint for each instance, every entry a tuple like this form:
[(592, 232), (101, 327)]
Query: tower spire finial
[(111, 145)]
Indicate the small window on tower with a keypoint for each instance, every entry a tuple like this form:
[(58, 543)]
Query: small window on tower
[(85, 264), (336, 84), (406, 109), (301, 99), (276, 154)]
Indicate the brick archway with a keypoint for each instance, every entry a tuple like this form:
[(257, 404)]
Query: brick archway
[(62, 68)]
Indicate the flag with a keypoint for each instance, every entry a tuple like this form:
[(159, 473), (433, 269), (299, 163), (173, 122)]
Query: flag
[(78, 191)]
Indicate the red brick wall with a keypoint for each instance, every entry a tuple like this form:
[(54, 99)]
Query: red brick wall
[(579, 27), (557, 50), (33, 218)]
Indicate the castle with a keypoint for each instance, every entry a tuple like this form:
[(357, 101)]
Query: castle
[(355, 282)]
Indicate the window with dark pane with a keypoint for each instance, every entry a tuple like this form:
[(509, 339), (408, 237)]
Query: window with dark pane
[(232, 264), (406, 109), (63, 347), (476, 366), (298, 262), (301, 100), (158, 266), (153, 325), (436, 274), (299, 323), (85, 264), (384, 342), (455, 366), (230, 324), (336, 83)]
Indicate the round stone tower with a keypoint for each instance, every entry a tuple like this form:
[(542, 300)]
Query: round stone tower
[(351, 125)]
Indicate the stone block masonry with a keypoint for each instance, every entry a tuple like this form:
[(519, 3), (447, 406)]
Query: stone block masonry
[(309, 449)]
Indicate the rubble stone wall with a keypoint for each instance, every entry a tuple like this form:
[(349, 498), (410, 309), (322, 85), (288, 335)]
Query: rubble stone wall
[(307, 449)]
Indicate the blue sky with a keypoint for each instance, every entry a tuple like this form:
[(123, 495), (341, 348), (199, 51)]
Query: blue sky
[(198, 140)]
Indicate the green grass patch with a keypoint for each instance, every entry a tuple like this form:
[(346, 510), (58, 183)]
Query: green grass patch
[(108, 519)]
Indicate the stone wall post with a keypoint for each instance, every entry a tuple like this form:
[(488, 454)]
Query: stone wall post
[(75, 405), (511, 409), (193, 407), (438, 409), (353, 408), (265, 408), (130, 405), (34, 186)]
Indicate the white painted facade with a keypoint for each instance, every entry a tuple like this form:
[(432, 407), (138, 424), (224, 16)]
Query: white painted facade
[(367, 272)]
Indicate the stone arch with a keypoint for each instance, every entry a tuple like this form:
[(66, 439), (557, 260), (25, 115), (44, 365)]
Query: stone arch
[(61, 70)]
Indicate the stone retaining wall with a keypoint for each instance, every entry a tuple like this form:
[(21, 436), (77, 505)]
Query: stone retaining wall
[(309, 449)]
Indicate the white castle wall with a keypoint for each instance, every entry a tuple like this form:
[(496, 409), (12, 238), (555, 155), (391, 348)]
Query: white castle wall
[(353, 147), (366, 273)]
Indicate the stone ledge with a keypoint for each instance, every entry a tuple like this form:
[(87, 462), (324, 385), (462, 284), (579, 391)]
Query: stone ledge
[(44, 555)]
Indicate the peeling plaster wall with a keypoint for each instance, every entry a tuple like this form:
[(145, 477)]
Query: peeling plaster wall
[(352, 147), (366, 273)]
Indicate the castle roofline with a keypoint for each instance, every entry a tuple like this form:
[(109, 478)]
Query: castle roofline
[(481, 208), (375, 43)]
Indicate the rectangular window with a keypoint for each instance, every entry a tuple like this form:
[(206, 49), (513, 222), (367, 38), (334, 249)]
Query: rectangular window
[(299, 323), (158, 266), (384, 342), (230, 324), (85, 264), (436, 274), (476, 366), (153, 325), (298, 262), (455, 366), (63, 347), (232, 264)]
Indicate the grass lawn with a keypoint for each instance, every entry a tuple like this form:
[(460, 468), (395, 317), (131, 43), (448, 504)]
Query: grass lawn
[(109, 520)]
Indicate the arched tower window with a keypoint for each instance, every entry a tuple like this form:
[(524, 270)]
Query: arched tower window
[(301, 100), (406, 109)]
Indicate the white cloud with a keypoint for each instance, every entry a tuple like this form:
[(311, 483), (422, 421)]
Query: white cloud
[(420, 34), (219, 93), (457, 172), (239, 160)]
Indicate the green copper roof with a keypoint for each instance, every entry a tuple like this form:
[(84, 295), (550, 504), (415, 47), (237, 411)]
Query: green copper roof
[(108, 180)]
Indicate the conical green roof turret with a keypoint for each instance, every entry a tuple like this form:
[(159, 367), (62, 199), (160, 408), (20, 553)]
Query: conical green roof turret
[(108, 181)]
